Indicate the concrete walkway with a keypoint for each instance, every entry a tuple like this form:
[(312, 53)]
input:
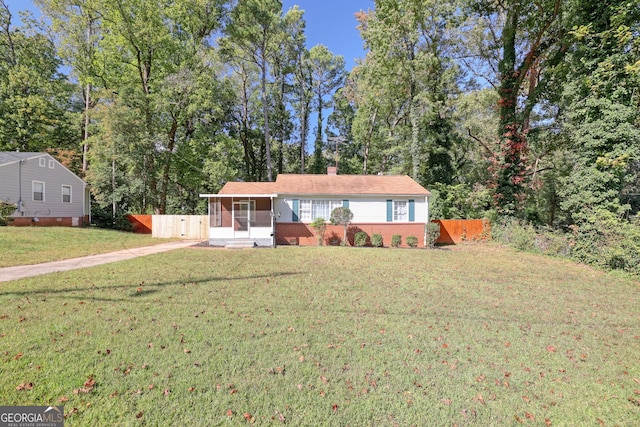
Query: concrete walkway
[(13, 273)]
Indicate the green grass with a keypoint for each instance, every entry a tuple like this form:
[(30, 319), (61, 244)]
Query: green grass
[(474, 335), (31, 245)]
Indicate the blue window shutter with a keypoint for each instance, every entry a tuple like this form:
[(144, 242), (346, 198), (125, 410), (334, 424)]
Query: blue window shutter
[(389, 210), (294, 216), (412, 210), (345, 204)]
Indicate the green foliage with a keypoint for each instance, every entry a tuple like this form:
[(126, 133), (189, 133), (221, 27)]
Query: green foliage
[(412, 241), (104, 218), (396, 241), (602, 240), (6, 210), (459, 201), (342, 216), (360, 239), (319, 225), (376, 240), (433, 232)]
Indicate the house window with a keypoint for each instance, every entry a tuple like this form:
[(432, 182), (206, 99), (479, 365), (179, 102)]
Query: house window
[(66, 194), (215, 208), (52, 164), (312, 209), (37, 188), (400, 210), (42, 162)]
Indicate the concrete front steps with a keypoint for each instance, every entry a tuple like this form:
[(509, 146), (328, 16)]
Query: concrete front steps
[(240, 244)]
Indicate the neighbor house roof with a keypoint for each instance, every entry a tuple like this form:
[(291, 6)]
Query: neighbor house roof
[(7, 157), (329, 185)]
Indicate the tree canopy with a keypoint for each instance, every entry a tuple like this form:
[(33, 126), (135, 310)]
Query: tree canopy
[(503, 109)]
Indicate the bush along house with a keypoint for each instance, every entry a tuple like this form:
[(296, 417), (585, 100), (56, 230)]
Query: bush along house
[(279, 213)]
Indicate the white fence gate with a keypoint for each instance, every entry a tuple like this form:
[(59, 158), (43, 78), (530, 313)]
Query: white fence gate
[(189, 227)]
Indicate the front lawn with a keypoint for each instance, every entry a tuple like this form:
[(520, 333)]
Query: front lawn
[(33, 245), (473, 335)]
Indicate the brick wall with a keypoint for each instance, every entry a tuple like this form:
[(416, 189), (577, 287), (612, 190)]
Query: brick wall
[(49, 222), (294, 233)]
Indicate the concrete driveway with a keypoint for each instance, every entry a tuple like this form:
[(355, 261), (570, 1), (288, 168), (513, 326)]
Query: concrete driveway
[(13, 273)]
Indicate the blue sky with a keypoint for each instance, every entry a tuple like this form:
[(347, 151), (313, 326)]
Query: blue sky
[(332, 23), (329, 22)]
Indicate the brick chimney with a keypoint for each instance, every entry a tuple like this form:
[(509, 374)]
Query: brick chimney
[(332, 170)]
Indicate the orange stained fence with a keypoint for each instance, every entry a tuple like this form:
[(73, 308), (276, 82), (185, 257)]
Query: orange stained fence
[(453, 231), (141, 224)]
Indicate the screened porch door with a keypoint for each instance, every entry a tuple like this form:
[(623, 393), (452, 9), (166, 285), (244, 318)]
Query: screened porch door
[(241, 215)]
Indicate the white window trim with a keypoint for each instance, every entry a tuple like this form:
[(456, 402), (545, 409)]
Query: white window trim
[(396, 213), (52, 164), (70, 193), (306, 209), (33, 191), (42, 162)]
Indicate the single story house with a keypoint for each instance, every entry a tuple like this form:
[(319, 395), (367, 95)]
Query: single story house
[(270, 213), (44, 191)]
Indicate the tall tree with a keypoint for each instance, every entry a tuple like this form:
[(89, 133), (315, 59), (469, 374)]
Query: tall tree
[(77, 23), (255, 25), (519, 44), (36, 108), (327, 75)]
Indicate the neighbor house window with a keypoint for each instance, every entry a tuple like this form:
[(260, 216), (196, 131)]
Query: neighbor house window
[(312, 209), (400, 210), (52, 164), (42, 162), (38, 191), (66, 194)]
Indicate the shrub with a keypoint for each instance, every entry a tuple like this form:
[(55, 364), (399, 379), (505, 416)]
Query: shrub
[(376, 240), (360, 239), (103, 218), (433, 232), (6, 209), (519, 235), (412, 241), (396, 240), (319, 225), (342, 216)]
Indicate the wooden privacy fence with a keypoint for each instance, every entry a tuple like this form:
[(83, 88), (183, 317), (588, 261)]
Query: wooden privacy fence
[(453, 231), (194, 227)]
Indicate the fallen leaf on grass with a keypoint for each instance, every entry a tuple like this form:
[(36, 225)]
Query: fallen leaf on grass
[(530, 416), (250, 418), (17, 356), (25, 386), (446, 401), (191, 388), (139, 414), (63, 399), (551, 349), (166, 392), (186, 350), (229, 413), (334, 407)]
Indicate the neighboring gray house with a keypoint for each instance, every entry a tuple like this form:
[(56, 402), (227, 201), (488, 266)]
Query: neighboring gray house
[(45, 192)]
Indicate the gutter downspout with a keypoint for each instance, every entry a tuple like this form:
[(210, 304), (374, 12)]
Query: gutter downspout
[(20, 163)]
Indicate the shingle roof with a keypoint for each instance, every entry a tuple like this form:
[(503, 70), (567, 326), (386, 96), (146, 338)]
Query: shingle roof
[(248, 188), (14, 156), (330, 185)]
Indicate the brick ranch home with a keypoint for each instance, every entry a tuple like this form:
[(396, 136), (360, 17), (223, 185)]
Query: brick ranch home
[(270, 213)]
